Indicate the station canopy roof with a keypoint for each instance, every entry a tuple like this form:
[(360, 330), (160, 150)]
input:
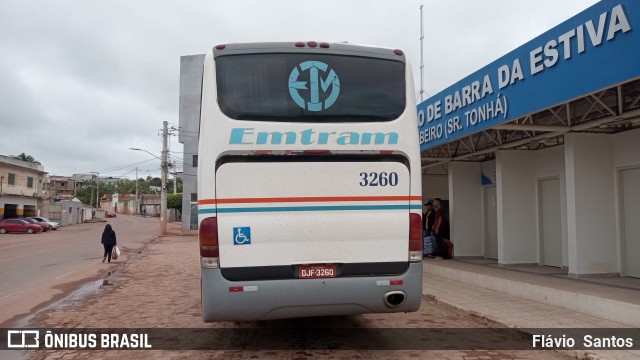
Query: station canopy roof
[(581, 76)]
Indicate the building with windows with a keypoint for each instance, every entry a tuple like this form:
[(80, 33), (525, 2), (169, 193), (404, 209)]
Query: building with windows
[(62, 187), (21, 188), (110, 180), (65, 187), (84, 177), (189, 105)]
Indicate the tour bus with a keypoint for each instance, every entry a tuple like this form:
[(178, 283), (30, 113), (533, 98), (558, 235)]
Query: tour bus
[(309, 182)]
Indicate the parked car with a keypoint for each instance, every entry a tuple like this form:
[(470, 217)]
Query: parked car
[(54, 225), (18, 225), (45, 227), (109, 214)]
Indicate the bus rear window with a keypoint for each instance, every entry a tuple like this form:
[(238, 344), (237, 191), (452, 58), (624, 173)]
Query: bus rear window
[(305, 87)]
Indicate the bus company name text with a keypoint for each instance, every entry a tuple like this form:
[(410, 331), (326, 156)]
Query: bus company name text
[(248, 136)]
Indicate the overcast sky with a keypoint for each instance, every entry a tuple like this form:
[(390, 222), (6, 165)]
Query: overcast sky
[(83, 81)]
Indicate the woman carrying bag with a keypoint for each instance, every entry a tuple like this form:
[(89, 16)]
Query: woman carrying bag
[(108, 241)]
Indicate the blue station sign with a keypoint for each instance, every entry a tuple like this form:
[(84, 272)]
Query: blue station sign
[(593, 50)]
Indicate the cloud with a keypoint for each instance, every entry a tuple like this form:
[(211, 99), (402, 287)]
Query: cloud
[(81, 82)]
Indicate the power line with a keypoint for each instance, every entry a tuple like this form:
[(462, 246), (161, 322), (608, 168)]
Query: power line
[(120, 167)]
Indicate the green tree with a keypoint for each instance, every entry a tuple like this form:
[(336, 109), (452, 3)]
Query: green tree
[(154, 181), (178, 186), (174, 201), (27, 158), (143, 186), (107, 188), (86, 194), (126, 186)]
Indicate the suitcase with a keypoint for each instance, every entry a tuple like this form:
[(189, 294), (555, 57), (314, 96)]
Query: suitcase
[(429, 245)]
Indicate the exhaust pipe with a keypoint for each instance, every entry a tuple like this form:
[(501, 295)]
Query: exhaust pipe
[(394, 298)]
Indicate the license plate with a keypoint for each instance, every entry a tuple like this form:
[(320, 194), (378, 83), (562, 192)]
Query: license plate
[(317, 271)]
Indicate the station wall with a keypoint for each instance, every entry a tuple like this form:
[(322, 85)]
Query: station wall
[(584, 176), (435, 186)]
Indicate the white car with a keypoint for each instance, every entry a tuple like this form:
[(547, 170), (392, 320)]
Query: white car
[(54, 225)]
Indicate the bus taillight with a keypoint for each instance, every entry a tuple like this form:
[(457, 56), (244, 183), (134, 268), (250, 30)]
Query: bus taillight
[(208, 236), (316, 152), (415, 237)]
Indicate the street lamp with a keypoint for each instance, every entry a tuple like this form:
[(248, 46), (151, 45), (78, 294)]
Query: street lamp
[(163, 191), (148, 152)]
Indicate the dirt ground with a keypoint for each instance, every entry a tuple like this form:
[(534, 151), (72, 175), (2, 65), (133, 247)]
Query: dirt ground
[(159, 288), (36, 269)]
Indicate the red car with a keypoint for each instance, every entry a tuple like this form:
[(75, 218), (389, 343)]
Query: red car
[(18, 225), (109, 214)]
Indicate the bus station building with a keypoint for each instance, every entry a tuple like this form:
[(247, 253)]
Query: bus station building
[(538, 153)]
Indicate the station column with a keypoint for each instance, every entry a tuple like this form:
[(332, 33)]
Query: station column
[(591, 209), (515, 185), (465, 208)]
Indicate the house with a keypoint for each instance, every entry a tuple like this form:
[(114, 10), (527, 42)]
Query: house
[(130, 204), (66, 212), (21, 188), (63, 187)]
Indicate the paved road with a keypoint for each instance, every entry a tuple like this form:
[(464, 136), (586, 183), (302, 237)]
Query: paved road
[(36, 268), (159, 289)]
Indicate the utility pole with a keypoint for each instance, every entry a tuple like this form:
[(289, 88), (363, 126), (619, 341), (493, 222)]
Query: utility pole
[(97, 189), (137, 200), (175, 179), (165, 167), (421, 55)]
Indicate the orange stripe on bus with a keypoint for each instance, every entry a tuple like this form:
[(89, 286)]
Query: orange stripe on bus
[(307, 199)]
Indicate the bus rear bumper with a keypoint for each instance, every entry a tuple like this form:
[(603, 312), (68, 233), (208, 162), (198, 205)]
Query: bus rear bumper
[(224, 300)]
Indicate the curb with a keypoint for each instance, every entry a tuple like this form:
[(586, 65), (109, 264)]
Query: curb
[(491, 322)]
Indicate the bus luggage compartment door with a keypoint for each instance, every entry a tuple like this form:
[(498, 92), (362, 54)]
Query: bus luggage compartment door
[(286, 213)]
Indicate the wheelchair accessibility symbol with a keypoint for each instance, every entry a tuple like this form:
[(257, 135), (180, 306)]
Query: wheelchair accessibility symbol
[(242, 235)]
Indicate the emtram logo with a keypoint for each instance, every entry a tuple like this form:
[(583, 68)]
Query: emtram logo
[(316, 85)]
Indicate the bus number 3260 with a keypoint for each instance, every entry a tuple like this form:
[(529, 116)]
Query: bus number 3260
[(378, 179)]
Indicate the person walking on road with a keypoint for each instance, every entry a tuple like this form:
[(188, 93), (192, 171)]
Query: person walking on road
[(108, 241)]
